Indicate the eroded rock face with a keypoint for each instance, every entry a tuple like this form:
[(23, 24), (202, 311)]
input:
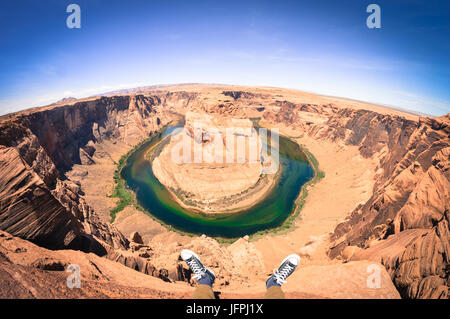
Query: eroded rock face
[(411, 193), (67, 133), (403, 226), (411, 190), (416, 259), (30, 210), (30, 271), (422, 269), (37, 202)]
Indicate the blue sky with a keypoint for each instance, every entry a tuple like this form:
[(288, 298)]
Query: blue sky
[(318, 46)]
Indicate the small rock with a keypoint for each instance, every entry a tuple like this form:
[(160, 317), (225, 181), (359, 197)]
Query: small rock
[(144, 254), (136, 238), (135, 247), (349, 251)]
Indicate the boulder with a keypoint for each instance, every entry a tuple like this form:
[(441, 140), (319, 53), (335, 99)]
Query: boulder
[(136, 238)]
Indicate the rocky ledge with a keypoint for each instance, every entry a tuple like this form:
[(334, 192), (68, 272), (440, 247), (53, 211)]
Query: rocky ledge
[(404, 226)]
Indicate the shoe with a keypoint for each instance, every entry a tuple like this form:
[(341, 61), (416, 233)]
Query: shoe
[(286, 268), (196, 265)]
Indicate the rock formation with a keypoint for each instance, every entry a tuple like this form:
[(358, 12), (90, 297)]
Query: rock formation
[(411, 193), (37, 201), (214, 164), (411, 190), (404, 225), (30, 271)]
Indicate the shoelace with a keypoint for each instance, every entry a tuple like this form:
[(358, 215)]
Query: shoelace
[(196, 269), (281, 276)]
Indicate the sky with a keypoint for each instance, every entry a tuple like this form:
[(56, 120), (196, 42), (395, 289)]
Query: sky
[(317, 46)]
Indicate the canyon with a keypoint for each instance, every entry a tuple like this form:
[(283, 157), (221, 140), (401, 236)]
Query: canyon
[(383, 199)]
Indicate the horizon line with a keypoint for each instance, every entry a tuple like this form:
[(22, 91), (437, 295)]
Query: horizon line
[(151, 87)]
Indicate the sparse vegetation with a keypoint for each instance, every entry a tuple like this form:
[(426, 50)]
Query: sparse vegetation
[(125, 197)]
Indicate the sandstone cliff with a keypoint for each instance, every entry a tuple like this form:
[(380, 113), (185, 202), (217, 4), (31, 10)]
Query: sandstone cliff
[(411, 190), (404, 224), (37, 201)]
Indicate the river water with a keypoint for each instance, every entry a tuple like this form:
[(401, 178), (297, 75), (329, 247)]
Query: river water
[(269, 213)]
